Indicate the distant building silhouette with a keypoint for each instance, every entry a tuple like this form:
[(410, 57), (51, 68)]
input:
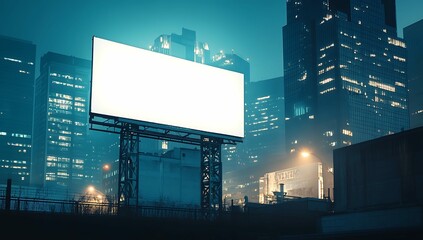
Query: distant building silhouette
[(413, 35), (345, 74), (232, 62), (17, 72), (104, 149), (61, 107), (183, 46), (264, 140)]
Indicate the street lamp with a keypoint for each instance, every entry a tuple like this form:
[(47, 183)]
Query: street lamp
[(106, 167), (90, 189), (305, 154)]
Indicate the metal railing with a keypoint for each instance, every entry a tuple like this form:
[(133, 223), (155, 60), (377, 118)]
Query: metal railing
[(89, 208)]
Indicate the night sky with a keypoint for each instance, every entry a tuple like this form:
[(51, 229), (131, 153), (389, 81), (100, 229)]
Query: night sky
[(250, 28)]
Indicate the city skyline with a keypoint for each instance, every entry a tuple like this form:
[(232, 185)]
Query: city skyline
[(224, 25), (115, 123)]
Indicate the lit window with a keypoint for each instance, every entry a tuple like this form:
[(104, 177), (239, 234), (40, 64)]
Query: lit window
[(327, 80), (165, 145), (347, 132), (12, 59), (399, 58), (327, 90), (396, 42)]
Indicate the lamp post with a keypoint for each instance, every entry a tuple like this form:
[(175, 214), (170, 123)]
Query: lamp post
[(305, 154)]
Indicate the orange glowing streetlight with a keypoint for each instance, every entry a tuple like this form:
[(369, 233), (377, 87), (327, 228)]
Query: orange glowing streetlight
[(90, 189), (305, 154), (106, 167)]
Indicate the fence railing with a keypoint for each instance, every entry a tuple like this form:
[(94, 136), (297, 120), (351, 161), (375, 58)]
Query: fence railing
[(89, 208)]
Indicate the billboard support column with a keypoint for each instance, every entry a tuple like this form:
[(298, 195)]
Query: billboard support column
[(211, 175), (128, 168)]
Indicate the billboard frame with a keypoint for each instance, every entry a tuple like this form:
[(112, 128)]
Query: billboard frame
[(130, 133), (155, 130)]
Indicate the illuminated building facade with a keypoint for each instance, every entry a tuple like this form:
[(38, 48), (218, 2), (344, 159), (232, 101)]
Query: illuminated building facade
[(345, 74), (413, 35), (60, 149), (17, 70), (302, 181)]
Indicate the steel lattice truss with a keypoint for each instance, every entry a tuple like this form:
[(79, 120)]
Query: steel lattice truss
[(128, 167), (130, 134), (211, 174)]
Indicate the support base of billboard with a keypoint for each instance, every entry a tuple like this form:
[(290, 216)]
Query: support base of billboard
[(130, 133), (211, 176), (128, 182)]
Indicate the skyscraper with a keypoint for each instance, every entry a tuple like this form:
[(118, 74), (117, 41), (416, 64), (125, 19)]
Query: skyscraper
[(17, 70), (265, 132), (264, 142), (60, 149), (183, 46), (413, 35), (345, 74)]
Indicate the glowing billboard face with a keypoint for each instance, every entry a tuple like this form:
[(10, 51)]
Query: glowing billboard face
[(146, 86)]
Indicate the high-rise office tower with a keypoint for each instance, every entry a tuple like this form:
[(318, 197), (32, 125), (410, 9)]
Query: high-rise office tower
[(60, 149), (17, 70), (183, 46), (265, 132), (264, 142), (345, 74), (413, 36)]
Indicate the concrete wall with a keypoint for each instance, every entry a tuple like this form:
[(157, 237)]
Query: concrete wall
[(380, 173), (170, 180)]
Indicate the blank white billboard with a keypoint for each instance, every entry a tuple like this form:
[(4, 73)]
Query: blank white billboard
[(133, 83)]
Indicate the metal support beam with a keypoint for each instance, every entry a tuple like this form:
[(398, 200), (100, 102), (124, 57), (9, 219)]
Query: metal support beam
[(128, 167), (211, 175)]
